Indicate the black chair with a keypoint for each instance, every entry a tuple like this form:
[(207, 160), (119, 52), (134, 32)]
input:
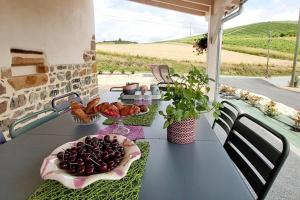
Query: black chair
[(2, 138), (60, 104), (229, 113), (258, 151)]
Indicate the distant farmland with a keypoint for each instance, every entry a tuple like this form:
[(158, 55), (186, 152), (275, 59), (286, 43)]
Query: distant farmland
[(253, 39)]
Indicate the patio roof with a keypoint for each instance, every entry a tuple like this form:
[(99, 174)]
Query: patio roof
[(194, 7)]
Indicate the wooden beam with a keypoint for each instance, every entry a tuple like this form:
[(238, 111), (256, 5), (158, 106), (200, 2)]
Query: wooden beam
[(201, 2), (184, 4), (171, 7)]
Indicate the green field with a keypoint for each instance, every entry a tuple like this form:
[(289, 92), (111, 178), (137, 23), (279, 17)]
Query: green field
[(123, 63), (253, 39)]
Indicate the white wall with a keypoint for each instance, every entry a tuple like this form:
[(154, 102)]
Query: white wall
[(62, 29)]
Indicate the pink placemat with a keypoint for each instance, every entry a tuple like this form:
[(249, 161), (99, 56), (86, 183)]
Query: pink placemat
[(135, 133)]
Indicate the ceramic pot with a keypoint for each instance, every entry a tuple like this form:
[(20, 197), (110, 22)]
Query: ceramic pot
[(130, 88), (154, 89), (182, 132)]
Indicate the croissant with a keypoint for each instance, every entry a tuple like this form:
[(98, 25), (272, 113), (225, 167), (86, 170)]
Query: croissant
[(119, 105), (90, 109), (82, 115), (102, 107)]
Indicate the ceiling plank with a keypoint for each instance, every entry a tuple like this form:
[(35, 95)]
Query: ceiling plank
[(185, 4), (201, 2), (171, 7)]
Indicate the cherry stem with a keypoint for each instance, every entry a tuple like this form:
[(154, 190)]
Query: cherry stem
[(94, 162)]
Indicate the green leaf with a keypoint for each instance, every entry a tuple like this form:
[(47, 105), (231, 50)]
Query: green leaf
[(170, 110), (166, 124)]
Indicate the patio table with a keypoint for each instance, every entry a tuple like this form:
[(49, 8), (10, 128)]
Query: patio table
[(201, 170)]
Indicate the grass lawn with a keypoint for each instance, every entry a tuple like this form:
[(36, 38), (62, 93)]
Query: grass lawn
[(123, 63)]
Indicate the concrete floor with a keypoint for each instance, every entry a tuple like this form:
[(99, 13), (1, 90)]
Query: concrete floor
[(260, 86)]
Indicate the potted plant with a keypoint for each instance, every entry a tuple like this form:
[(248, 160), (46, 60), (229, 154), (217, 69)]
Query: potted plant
[(189, 100)]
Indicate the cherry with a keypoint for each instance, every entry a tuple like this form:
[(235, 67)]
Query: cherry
[(63, 165), (102, 168), (107, 138), (60, 155)]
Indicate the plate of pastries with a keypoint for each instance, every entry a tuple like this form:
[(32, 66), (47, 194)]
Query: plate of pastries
[(89, 114), (118, 109)]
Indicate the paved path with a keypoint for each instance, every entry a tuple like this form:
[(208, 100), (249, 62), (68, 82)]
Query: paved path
[(260, 86)]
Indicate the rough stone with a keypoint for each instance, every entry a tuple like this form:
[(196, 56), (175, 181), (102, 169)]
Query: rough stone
[(30, 108), (93, 45), (75, 73), (39, 105), (38, 89), (48, 105), (62, 91), (82, 72), (61, 67), (68, 75), (6, 72), (4, 124), (2, 89), (52, 87), (3, 107), (94, 68), (70, 67), (89, 71), (61, 76), (18, 101), (28, 81), (53, 93), (94, 91), (52, 79), (42, 69), (43, 95), (76, 80), (51, 69), (88, 80), (63, 84), (33, 97), (76, 86), (68, 87), (86, 57), (18, 113)]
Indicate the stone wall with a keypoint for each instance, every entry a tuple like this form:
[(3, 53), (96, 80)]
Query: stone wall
[(60, 79)]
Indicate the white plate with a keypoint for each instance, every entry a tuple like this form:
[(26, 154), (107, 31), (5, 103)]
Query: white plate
[(142, 113), (50, 169)]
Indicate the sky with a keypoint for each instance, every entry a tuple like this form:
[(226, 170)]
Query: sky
[(131, 21)]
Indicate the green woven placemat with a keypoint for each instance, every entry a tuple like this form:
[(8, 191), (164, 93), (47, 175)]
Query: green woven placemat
[(138, 120), (126, 188)]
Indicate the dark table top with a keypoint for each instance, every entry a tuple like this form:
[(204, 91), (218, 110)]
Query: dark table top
[(201, 170)]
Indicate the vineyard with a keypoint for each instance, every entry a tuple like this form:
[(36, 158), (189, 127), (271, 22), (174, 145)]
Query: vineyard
[(256, 36)]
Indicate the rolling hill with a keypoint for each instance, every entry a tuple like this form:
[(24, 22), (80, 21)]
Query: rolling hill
[(253, 39)]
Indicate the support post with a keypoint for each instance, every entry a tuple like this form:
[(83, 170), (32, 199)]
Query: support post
[(214, 43), (295, 55)]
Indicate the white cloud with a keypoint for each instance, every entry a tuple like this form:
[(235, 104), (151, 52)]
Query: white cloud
[(136, 22)]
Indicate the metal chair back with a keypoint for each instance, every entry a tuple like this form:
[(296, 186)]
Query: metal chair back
[(14, 131), (2, 138), (61, 104), (258, 151), (229, 113)]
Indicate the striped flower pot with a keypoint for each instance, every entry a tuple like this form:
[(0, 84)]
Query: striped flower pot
[(182, 132)]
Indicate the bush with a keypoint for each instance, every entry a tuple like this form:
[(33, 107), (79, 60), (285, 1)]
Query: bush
[(132, 72), (123, 71), (111, 71), (100, 72)]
